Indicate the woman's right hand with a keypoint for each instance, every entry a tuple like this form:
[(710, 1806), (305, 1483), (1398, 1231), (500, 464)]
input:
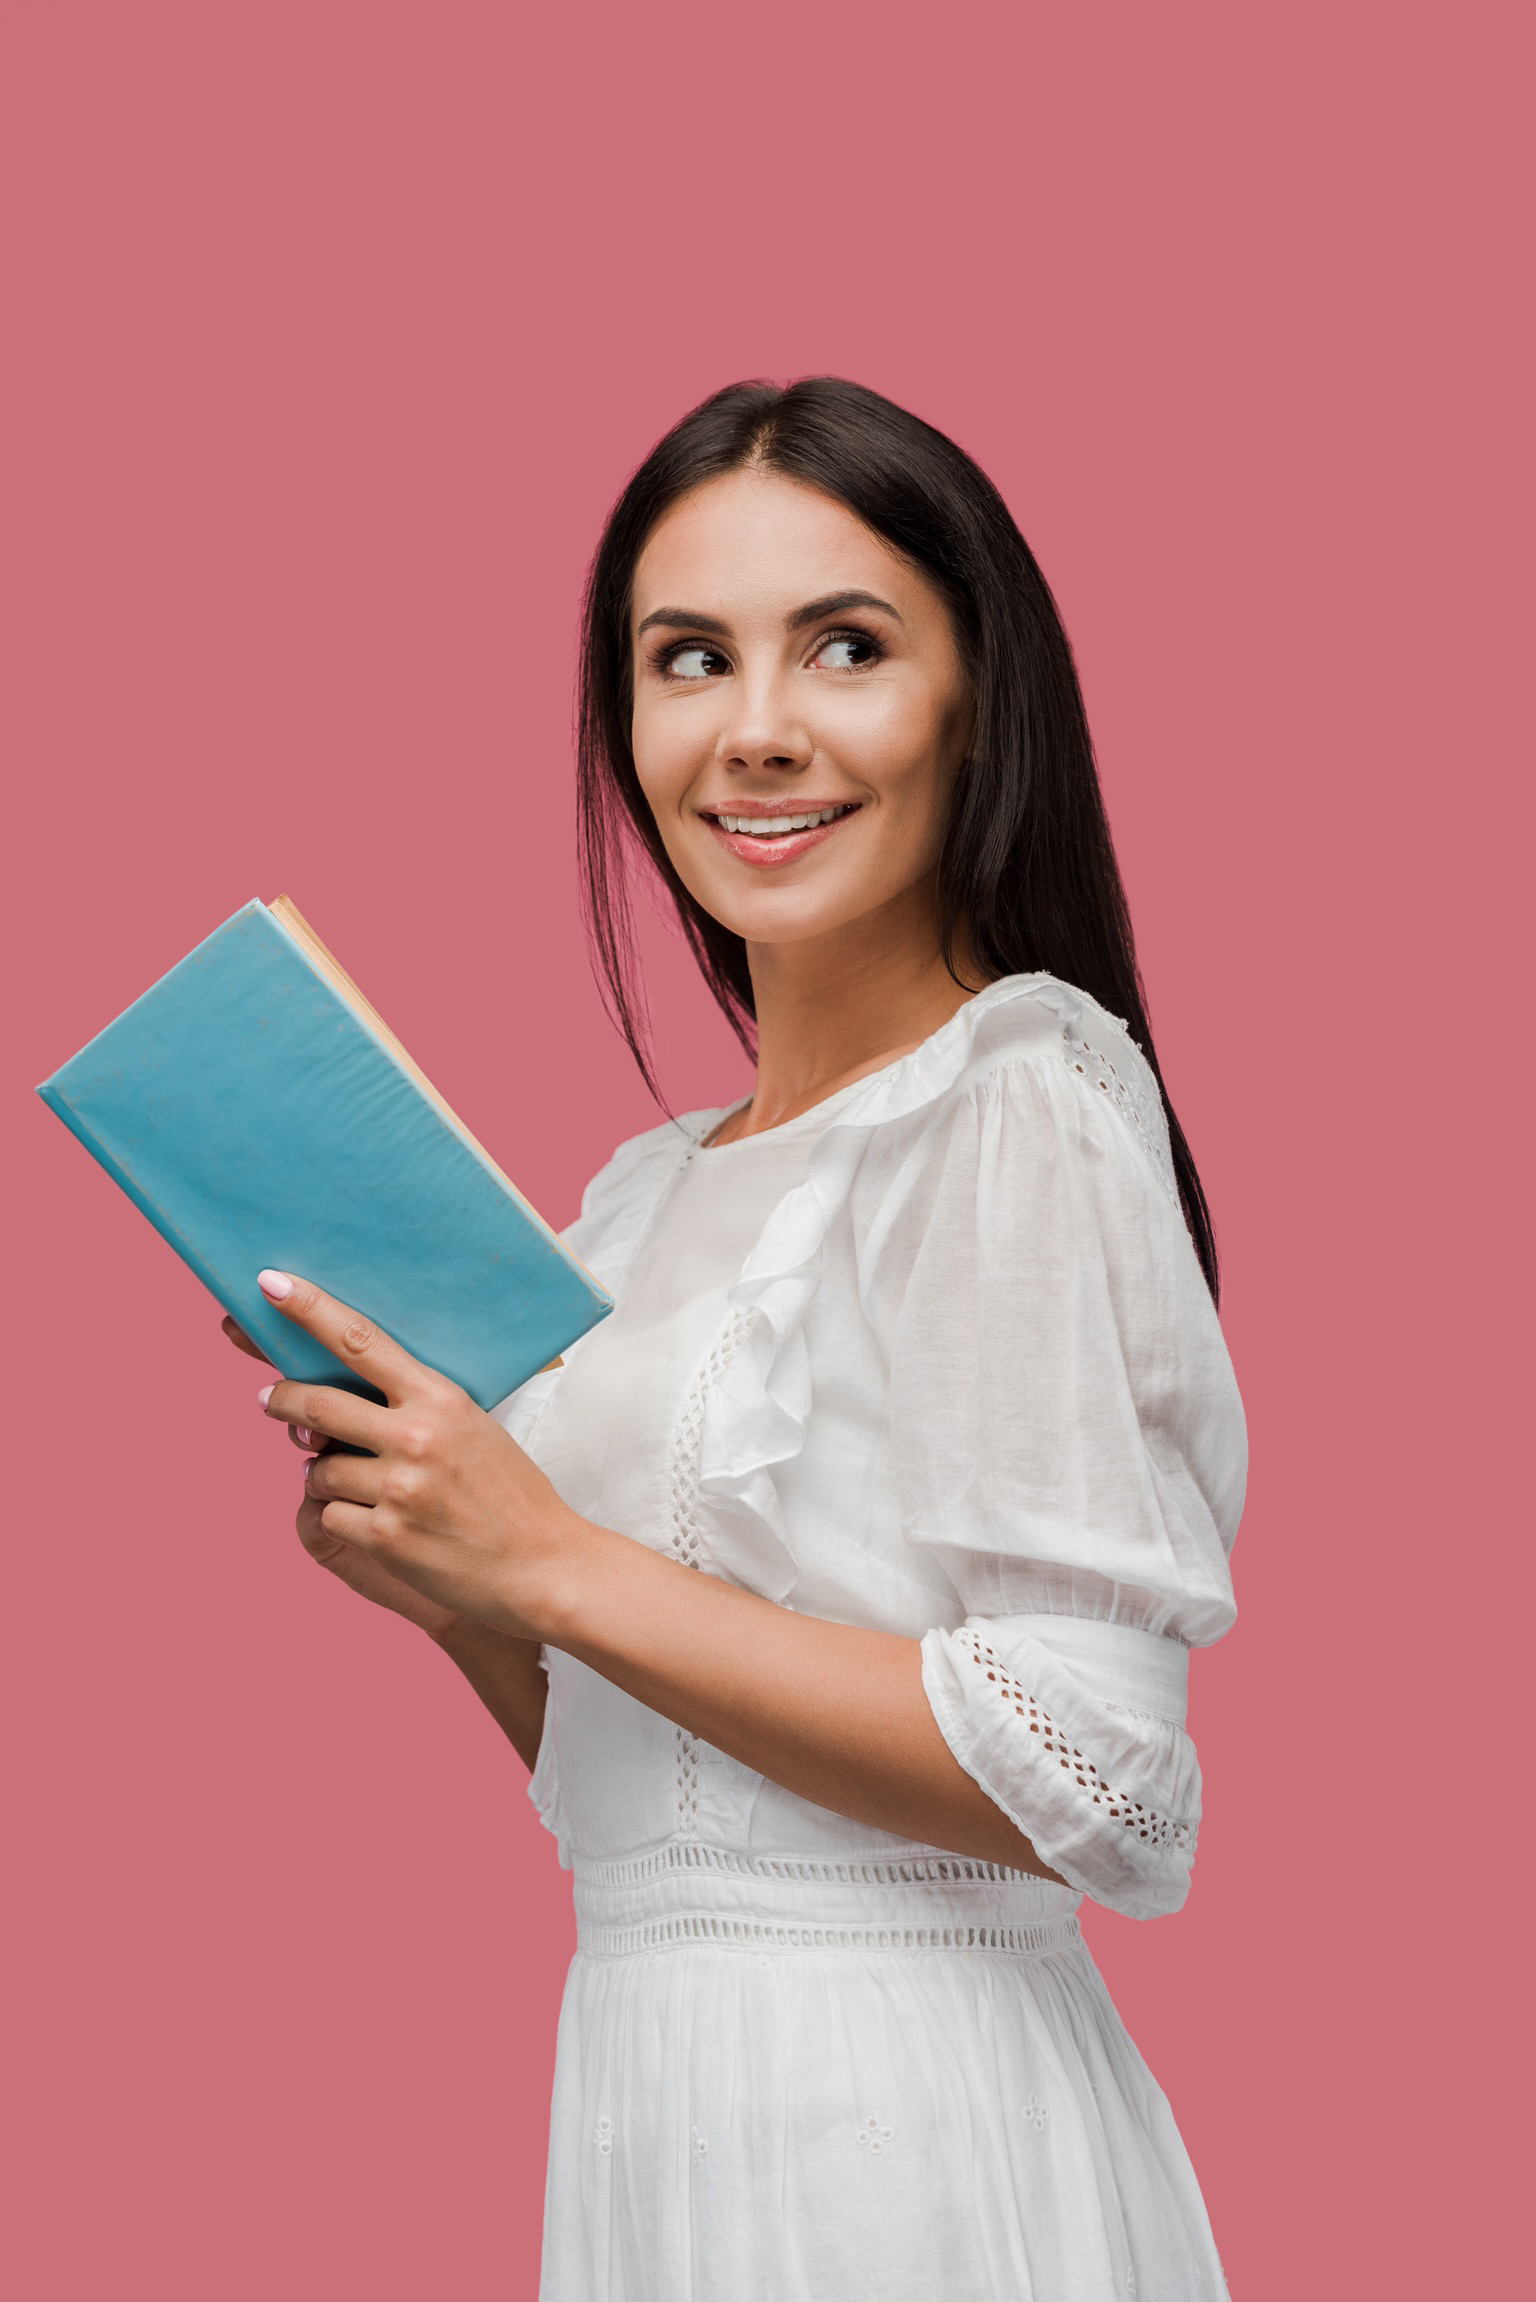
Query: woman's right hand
[(364, 1575), (506, 1673), (355, 1568)]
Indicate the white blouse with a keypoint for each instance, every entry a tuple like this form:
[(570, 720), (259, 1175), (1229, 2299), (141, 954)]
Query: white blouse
[(937, 1358)]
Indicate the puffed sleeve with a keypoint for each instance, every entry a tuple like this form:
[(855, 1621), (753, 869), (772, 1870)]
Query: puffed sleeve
[(1069, 1443)]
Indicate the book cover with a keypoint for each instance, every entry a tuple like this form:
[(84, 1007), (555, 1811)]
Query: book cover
[(262, 1116)]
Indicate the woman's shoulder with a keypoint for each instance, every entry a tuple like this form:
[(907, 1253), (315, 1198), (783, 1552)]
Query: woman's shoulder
[(1030, 1019), (1029, 1041)]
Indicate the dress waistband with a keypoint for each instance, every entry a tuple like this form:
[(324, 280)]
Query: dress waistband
[(686, 1893)]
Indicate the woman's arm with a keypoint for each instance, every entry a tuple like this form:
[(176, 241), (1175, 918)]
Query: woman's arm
[(506, 1674), (835, 1714), (448, 1504)]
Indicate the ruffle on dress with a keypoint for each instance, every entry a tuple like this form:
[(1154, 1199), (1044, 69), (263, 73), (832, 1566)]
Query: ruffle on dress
[(756, 1415)]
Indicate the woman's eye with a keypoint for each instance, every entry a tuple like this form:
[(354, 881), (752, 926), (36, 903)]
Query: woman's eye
[(846, 651), (694, 662)]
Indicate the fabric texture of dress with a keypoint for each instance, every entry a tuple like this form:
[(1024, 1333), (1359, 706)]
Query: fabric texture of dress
[(936, 1358)]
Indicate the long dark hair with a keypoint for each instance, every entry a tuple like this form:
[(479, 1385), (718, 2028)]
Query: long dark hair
[(1028, 867)]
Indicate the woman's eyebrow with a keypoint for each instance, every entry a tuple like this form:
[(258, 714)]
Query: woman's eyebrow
[(683, 619), (834, 603), (814, 611)]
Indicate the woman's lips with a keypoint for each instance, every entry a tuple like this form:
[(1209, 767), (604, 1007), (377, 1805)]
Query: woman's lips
[(780, 847)]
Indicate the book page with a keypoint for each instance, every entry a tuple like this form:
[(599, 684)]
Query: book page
[(283, 908)]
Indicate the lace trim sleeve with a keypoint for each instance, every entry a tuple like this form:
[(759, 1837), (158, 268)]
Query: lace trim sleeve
[(1152, 1828), (1109, 1797)]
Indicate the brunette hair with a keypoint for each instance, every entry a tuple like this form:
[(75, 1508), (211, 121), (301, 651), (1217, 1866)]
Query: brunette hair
[(1028, 866)]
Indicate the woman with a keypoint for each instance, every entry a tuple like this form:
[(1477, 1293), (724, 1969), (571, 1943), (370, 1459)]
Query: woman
[(839, 1588)]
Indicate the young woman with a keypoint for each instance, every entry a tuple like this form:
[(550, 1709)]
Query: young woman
[(839, 1588)]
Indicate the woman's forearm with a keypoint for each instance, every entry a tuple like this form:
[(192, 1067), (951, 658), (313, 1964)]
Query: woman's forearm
[(835, 1714), (444, 1501), (507, 1676)]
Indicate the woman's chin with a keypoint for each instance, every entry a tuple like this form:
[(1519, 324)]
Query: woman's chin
[(783, 915)]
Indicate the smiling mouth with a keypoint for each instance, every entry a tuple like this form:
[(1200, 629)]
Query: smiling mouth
[(783, 826)]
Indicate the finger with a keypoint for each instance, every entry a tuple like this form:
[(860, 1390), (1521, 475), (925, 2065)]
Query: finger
[(345, 1479), (351, 1338), (242, 1341), (322, 1548), (324, 1414), (311, 1442), (350, 1523)]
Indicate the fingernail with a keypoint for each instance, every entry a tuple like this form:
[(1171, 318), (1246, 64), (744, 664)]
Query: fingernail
[(275, 1285), (301, 1432), (265, 1393)]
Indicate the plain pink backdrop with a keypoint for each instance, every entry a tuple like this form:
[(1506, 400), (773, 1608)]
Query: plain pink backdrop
[(330, 333)]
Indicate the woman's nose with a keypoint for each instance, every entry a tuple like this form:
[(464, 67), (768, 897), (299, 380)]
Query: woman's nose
[(764, 730)]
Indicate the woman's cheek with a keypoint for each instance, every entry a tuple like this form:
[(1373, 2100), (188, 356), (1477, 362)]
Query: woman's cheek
[(665, 783)]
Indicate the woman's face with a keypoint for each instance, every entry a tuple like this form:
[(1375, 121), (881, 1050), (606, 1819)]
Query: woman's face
[(801, 710)]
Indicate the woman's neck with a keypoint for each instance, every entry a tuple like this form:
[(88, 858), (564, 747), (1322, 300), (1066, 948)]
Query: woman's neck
[(834, 1009)]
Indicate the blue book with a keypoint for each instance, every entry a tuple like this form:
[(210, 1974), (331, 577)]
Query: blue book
[(262, 1116)]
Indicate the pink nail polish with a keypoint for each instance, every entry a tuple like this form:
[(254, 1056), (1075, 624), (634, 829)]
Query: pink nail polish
[(275, 1285), (304, 1435), (265, 1393)]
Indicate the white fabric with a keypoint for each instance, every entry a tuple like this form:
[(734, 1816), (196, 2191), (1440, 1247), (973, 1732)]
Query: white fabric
[(937, 1358)]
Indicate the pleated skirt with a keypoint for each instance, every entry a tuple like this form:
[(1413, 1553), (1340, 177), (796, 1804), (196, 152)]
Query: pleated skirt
[(833, 2097)]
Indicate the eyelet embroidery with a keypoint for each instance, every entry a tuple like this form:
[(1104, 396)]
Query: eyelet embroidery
[(873, 2137), (700, 2145), (687, 1541), (602, 2136), (685, 1751), (1034, 2111), (1143, 1112), (694, 1926), (914, 1870), (1146, 1824), (1044, 1938)]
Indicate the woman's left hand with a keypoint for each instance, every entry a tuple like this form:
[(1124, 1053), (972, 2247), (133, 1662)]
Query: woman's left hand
[(444, 1499)]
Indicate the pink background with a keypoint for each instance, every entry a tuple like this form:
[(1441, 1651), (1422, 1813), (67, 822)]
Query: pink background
[(332, 331)]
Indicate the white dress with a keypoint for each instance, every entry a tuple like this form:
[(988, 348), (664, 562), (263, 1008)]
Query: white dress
[(936, 1357)]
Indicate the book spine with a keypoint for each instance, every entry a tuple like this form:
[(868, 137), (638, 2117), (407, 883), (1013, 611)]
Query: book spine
[(216, 1287)]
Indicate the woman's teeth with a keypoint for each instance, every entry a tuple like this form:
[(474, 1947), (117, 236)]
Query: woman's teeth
[(775, 826)]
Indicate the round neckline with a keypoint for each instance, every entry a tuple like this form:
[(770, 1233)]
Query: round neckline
[(817, 1111), (800, 1124)]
